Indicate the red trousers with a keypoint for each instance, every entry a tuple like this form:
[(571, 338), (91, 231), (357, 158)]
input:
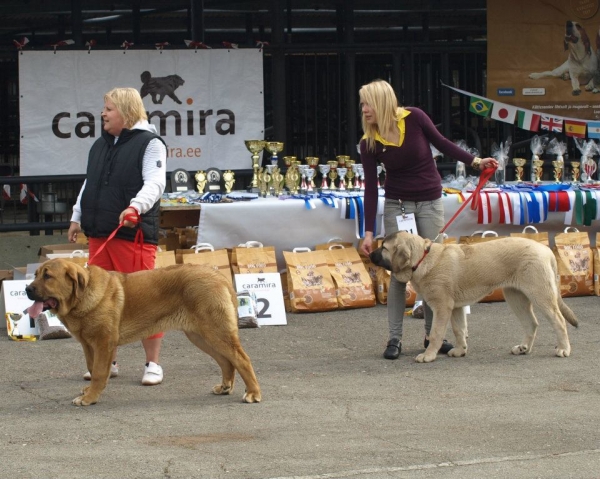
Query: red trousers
[(120, 255)]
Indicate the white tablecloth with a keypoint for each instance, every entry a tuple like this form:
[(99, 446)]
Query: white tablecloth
[(286, 224)]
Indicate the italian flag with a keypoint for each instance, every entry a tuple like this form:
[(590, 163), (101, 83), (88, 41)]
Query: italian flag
[(528, 120)]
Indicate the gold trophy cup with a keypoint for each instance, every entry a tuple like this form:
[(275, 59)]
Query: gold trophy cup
[(539, 171), (575, 171), (519, 164), (332, 174), (255, 147), (558, 170), (274, 147)]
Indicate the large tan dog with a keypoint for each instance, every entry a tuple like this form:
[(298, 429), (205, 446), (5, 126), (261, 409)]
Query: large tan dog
[(106, 309), (450, 276)]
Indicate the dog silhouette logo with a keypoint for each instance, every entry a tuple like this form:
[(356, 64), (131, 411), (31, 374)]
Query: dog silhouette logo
[(159, 87)]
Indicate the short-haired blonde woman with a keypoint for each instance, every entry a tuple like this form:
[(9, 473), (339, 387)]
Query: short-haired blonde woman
[(399, 138), (126, 176)]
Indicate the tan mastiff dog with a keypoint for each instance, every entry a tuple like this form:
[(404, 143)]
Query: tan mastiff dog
[(450, 276), (105, 309)]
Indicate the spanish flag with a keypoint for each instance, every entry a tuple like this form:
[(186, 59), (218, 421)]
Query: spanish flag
[(479, 106), (575, 128)]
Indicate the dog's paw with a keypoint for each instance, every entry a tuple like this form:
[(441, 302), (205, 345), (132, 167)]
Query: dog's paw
[(576, 92), (252, 397), (562, 353), (457, 352), (595, 90), (425, 358), (520, 349), (221, 389), (83, 401), (535, 76)]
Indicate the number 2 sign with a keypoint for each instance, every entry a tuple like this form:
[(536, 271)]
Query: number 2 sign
[(269, 296)]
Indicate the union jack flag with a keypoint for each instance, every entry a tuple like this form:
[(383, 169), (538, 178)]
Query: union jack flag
[(551, 123)]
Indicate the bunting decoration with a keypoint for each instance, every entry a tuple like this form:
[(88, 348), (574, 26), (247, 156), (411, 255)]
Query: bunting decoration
[(62, 43), (126, 44), (162, 45), (195, 45), (6, 192), (260, 44), (527, 119), (90, 44), (230, 45), (20, 44)]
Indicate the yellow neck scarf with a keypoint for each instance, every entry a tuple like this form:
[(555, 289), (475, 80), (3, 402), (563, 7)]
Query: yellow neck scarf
[(401, 127)]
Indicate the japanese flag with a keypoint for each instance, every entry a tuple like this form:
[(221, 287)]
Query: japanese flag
[(504, 112)]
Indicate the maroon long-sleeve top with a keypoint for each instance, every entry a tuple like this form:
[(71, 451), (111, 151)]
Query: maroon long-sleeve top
[(411, 172)]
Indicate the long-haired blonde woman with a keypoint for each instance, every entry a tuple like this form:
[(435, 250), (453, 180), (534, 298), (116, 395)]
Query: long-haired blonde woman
[(399, 138)]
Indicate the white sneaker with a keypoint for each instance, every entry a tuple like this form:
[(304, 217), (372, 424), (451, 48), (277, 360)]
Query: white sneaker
[(114, 372), (153, 374)]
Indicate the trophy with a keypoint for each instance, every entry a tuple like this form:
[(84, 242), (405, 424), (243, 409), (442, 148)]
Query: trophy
[(519, 164), (558, 169), (288, 160), (313, 162), (356, 171), (310, 174), (302, 169), (341, 159), (324, 169), (255, 147), (332, 173), (350, 174), (264, 180), (589, 167), (342, 174), (229, 178), (200, 181), (274, 147), (292, 179), (538, 170), (277, 180), (575, 171)]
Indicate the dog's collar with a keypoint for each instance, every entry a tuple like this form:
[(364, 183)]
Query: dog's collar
[(422, 258)]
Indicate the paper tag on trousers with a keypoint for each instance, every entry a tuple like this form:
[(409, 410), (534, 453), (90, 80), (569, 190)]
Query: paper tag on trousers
[(407, 223)]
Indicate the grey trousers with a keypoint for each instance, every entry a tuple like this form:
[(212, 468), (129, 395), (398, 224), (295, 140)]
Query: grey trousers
[(429, 216)]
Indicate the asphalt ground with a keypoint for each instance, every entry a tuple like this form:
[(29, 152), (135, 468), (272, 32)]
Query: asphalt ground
[(332, 406)]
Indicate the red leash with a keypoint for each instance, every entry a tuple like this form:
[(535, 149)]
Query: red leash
[(483, 179), (138, 242)]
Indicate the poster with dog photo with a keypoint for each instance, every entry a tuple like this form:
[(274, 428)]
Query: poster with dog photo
[(203, 103), (543, 56)]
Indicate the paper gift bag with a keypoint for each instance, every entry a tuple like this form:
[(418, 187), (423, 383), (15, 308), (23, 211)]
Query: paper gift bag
[(78, 256), (497, 294), (207, 255), (383, 284), (164, 258), (369, 265), (354, 287), (285, 291), (531, 232), (232, 252), (575, 263), (256, 259), (332, 241), (310, 284)]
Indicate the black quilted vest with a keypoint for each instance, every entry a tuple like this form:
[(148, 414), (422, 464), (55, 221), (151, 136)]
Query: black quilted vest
[(114, 177)]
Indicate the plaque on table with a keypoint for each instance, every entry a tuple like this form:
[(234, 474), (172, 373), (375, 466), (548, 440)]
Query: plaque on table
[(214, 181), (181, 181)]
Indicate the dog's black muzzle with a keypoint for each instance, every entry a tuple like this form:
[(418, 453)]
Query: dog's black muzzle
[(377, 259)]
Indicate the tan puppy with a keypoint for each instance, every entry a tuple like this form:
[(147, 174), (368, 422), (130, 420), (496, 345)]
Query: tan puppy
[(105, 309), (450, 276)]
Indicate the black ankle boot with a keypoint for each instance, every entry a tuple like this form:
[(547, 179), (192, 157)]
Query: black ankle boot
[(444, 349), (394, 346)]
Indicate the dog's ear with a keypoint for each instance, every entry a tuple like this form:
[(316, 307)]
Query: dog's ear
[(584, 38), (79, 278), (401, 262)]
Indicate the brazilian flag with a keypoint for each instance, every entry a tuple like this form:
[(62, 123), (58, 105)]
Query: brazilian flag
[(479, 106)]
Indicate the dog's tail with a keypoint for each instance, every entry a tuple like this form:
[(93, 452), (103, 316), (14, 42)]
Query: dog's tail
[(145, 77), (567, 313)]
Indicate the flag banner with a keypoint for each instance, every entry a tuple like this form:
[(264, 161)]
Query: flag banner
[(203, 103), (575, 128), (504, 112), (593, 129), (528, 120), (479, 106), (551, 123), (6, 192)]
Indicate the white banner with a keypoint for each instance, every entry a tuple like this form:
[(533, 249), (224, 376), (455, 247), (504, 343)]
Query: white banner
[(203, 103)]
